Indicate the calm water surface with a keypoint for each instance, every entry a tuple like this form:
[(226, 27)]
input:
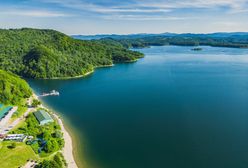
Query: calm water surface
[(176, 108)]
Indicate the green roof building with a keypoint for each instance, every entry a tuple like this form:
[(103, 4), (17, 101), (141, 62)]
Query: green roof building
[(43, 117)]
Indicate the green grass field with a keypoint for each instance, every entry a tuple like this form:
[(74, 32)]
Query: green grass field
[(15, 157), (22, 108)]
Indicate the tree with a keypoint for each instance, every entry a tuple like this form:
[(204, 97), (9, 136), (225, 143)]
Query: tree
[(12, 146), (36, 103), (51, 146), (48, 164), (57, 161)]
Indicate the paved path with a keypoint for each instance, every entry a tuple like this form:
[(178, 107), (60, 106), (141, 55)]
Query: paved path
[(4, 123), (18, 120), (29, 164)]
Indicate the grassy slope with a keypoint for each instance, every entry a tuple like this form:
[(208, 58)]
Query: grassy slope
[(15, 157)]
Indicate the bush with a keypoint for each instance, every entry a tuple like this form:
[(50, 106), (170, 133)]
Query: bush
[(12, 145), (58, 161), (36, 103)]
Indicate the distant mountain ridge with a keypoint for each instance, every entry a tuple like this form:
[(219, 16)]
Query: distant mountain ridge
[(233, 39), (167, 34)]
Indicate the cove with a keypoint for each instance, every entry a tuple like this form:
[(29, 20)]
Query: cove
[(175, 108)]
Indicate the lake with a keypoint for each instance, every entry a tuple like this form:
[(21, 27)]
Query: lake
[(175, 108)]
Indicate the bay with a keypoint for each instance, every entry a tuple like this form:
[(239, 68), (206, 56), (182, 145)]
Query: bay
[(175, 108)]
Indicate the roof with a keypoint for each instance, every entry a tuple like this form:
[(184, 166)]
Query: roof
[(41, 115), (4, 110)]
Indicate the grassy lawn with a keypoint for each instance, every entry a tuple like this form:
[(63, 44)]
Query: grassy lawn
[(20, 111), (15, 157), (20, 124)]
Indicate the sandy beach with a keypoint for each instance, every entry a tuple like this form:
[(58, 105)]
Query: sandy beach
[(67, 151), (68, 148)]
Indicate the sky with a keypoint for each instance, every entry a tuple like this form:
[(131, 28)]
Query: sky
[(126, 16)]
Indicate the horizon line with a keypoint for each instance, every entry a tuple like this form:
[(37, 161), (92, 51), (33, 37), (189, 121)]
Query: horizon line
[(126, 34)]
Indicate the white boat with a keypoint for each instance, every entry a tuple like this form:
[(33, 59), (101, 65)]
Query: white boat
[(51, 93)]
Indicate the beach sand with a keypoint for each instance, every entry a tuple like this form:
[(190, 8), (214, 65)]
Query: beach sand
[(67, 151), (68, 148)]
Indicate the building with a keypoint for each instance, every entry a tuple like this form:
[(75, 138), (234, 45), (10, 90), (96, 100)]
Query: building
[(43, 117), (15, 137), (4, 110)]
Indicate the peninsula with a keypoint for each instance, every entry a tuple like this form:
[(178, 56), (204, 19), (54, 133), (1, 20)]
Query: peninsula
[(48, 54), (25, 124)]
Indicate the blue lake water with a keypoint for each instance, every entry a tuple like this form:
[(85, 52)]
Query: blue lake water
[(175, 108)]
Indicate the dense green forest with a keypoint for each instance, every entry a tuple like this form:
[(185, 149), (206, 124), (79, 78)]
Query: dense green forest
[(181, 40), (36, 53), (13, 89)]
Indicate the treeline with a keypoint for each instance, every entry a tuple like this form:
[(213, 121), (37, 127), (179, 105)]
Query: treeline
[(35, 53), (181, 40), (13, 89), (57, 161)]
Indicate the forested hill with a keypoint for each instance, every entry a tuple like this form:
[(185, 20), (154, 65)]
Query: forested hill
[(36, 53), (13, 89), (236, 40)]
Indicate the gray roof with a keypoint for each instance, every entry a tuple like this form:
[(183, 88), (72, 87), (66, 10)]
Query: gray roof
[(41, 115)]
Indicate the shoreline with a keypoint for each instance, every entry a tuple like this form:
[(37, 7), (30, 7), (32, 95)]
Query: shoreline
[(80, 76), (70, 152), (68, 149)]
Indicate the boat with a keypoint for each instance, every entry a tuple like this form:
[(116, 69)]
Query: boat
[(197, 49), (51, 93)]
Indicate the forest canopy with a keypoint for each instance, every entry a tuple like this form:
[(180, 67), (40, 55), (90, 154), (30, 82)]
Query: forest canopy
[(215, 40), (42, 53), (13, 89)]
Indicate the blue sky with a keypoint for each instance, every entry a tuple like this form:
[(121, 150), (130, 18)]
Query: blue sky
[(126, 16)]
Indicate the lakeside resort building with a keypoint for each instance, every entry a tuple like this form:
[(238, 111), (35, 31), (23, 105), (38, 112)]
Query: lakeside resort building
[(43, 117), (15, 137)]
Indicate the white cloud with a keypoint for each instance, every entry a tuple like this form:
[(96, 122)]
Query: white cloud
[(151, 5), (129, 10), (194, 3), (34, 13), (127, 16), (77, 4), (144, 17), (154, 9)]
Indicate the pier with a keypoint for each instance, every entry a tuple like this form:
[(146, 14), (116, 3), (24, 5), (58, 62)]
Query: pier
[(51, 93)]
